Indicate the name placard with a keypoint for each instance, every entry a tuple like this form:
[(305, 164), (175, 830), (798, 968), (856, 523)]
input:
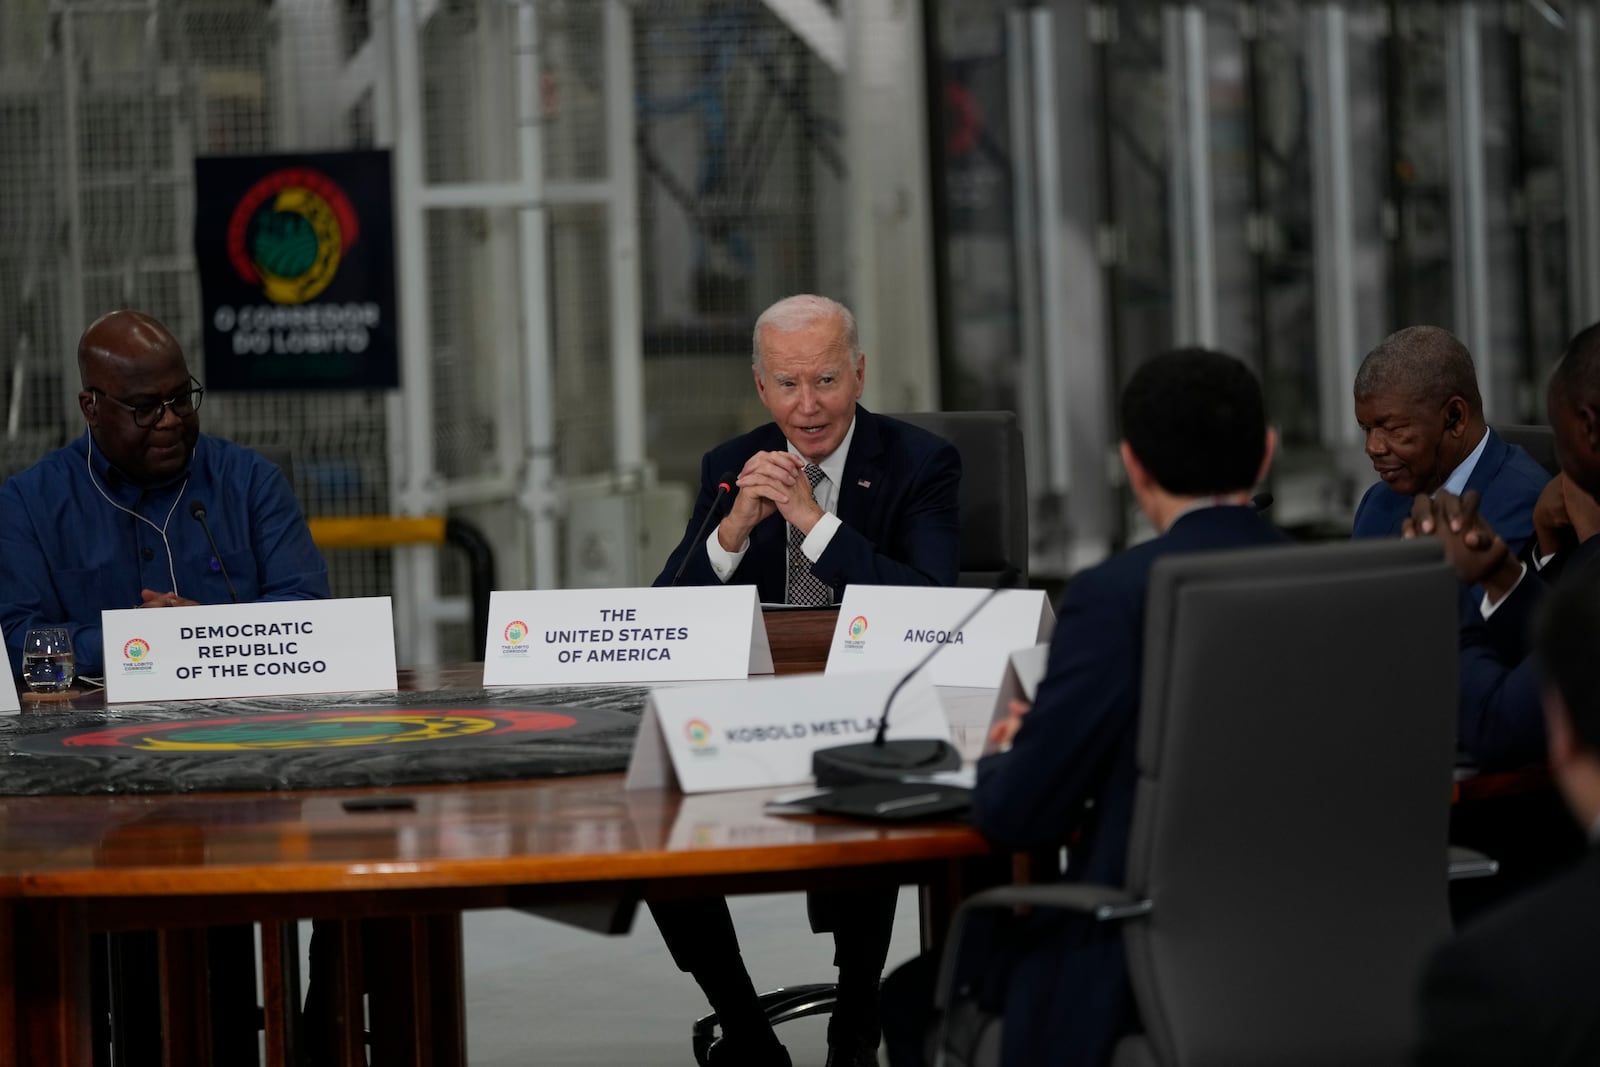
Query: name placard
[(762, 732), (891, 627), (1024, 671), (249, 650), (545, 636)]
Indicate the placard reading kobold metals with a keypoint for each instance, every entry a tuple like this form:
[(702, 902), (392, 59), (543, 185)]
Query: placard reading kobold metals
[(539, 637), (249, 650), (891, 627), (762, 733)]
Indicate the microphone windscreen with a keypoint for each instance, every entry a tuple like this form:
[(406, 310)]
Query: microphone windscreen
[(725, 482), (197, 509), (1261, 501)]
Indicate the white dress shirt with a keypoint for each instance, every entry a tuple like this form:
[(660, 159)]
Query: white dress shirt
[(724, 563)]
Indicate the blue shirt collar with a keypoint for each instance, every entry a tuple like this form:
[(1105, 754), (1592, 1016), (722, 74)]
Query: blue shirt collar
[(1456, 484)]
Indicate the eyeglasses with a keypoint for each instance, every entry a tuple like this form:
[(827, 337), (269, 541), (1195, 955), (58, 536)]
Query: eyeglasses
[(148, 414)]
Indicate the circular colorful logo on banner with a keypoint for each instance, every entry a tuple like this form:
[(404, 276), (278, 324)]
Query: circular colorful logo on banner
[(289, 232), (136, 649), (858, 626), (517, 632)]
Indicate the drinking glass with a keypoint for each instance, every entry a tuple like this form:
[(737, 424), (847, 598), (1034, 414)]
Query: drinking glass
[(48, 665)]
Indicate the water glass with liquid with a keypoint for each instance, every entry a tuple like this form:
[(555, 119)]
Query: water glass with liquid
[(48, 665)]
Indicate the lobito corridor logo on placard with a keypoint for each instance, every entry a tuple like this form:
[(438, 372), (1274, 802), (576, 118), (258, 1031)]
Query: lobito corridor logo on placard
[(855, 639), (516, 639), (136, 657), (699, 735), (289, 232)]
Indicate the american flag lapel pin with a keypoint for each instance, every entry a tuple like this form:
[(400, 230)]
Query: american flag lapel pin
[(864, 483)]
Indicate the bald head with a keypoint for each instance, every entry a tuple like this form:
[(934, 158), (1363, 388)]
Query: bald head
[(130, 365), (118, 338)]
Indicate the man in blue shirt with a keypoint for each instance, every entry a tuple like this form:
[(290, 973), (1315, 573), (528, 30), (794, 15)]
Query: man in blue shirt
[(1418, 404), (106, 522)]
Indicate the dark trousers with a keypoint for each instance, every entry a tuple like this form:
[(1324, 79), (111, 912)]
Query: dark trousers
[(700, 935)]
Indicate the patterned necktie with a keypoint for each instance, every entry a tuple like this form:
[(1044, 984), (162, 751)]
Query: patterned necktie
[(803, 586)]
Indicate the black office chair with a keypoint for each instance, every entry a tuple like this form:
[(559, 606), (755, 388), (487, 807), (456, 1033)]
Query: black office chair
[(994, 538), (994, 489), (1538, 441), (1285, 877)]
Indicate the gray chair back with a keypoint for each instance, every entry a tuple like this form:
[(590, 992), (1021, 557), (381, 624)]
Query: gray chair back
[(1295, 756), (1538, 441), (994, 489)]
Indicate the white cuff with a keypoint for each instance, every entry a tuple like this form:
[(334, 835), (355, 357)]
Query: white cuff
[(1488, 609), (821, 536), (723, 562)]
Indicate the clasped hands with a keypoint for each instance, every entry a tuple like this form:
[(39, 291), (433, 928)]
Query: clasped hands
[(770, 482), (1478, 554), (153, 599)]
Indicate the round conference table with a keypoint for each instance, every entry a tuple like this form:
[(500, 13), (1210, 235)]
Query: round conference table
[(409, 859)]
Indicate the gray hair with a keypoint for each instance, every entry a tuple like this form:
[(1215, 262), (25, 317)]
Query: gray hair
[(1423, 364), (794, 313)]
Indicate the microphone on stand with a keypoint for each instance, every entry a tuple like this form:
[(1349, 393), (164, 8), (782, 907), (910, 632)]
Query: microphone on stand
[(198, 510), (880, 759), (725, 488)]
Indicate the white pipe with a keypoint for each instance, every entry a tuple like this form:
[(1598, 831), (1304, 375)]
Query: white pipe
[(72, 309), (539, 495), (1052, 259), (416, 329), (627, 316), (1468, 217), (1027, 239), (1333, 223)]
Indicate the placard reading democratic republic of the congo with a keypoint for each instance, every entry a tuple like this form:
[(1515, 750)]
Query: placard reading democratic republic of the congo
[(249, 650), (296, 262)]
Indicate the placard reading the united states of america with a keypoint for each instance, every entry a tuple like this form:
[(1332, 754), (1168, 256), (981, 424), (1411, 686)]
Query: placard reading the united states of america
[(552, 636)]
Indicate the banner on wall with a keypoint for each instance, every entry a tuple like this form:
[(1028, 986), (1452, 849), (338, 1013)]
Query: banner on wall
[(296, 262)]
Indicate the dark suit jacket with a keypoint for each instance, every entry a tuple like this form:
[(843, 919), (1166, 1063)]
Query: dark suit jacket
[(1067, 997), (1506, 477), (897, 503), (1501, 721), (1518, 986)]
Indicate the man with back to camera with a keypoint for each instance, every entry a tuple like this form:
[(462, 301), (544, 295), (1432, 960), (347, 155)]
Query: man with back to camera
[(106, 522), (828, 494), (1417, 402), (1518, 985), (1195, 442)]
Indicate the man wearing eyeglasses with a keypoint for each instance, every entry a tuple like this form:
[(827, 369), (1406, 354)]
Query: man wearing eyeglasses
[(106, 522)]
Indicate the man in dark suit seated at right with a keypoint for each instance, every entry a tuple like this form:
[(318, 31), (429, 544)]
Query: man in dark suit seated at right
[(1418, 405), (1195, 443), (828, 494), (1501, 721), (1518, 986)]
